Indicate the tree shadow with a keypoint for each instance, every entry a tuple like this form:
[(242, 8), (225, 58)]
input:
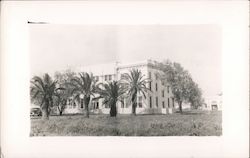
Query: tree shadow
[(191, 112)]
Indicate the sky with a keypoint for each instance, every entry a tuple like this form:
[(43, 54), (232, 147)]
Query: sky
[(196, 47)]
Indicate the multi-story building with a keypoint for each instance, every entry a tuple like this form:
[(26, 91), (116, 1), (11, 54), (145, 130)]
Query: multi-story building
[(159, 100)]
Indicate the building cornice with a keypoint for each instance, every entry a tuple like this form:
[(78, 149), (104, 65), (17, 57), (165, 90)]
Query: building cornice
[(148, 63)]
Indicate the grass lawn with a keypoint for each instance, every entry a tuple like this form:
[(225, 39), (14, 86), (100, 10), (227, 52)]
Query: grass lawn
[(190, 123)]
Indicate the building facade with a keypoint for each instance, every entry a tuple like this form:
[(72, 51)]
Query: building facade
[(213, 103), (159, 100)]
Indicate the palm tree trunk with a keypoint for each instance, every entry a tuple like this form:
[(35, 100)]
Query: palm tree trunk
[(113, 110), (86, 102), (134, 103), (180, 106), (45, 111), (60, 110), (134, 108)]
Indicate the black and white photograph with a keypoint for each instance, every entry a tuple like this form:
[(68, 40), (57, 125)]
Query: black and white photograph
[(125, 80)]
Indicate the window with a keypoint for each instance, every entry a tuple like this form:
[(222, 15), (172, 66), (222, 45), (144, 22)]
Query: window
[(168, 88), (122, 76), (150, 102), (81, 103), (156, 101), (97, 105), (156, 76), (110, 77), (140, 101), (107, 106), (122, 103), (163, 104), (67, 102), (127, 103), (70, 103), (168, 103), (106, 77), (156, 87), (74, 105), (149, 75), (162, 93), (173, 102), (97, 78), (150, 85)]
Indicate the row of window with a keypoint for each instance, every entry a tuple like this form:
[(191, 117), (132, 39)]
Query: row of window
[(156, 85), (72, 104), (150, 83), (150, 75), (95, 104), (106, 78), (156, 88), (157, 102), (126, 104), (109, 78)]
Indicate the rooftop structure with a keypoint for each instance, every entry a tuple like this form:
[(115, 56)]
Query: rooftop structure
[(213, 103)]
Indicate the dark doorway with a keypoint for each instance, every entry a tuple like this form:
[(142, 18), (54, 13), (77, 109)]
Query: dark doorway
[(214, 107)]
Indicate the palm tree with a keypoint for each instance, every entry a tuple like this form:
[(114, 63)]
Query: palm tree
[(84, 85), (135, 83), (43, 90), (111, 92)]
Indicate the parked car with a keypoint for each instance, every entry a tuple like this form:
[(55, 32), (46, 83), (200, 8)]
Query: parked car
[(35, 112)]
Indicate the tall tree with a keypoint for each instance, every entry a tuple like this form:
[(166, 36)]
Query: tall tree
[(181, 83), (43, 90), (63, 79), (60, 101), (195, 97), (111, 92), (135, 83), (83, 85)]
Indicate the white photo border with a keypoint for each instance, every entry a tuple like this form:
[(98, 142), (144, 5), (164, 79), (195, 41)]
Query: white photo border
[(231, 16)]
